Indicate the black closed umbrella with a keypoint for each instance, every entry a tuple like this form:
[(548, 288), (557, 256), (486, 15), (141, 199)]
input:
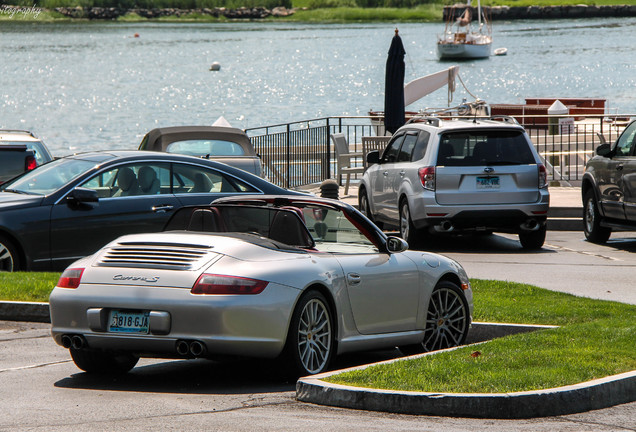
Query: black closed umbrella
[(394, 86)]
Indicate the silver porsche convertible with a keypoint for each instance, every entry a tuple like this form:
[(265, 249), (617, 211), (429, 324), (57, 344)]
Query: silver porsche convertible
[(300, 278)]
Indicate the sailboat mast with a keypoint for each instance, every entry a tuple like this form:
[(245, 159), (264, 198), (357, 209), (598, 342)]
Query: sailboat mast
[(479, 12)]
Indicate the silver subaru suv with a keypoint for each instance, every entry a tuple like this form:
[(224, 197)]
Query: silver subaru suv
[(458, 176)]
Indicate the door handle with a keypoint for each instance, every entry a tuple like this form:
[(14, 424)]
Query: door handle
[(162, 208), (353, 279), (402, 173), (619, 167), (385, 173)]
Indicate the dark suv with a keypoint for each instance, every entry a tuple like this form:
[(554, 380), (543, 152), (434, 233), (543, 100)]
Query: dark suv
[(609, 188)]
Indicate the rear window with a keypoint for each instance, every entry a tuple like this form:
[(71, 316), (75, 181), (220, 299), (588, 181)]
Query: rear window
[(496, 147), (206, 147)]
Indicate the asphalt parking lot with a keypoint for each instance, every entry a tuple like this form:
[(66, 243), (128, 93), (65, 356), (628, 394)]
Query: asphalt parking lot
[(43, 390)]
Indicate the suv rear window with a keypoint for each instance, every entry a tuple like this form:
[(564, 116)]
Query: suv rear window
[(494, 147)]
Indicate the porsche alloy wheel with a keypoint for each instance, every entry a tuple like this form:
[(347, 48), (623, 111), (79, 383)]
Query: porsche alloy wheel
[(447, 319), (312, 334)]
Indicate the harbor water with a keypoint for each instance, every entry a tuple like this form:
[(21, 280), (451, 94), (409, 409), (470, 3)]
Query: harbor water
[(96, 86)]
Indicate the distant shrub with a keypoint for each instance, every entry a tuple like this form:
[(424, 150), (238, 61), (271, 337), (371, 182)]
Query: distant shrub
[(319, 4)]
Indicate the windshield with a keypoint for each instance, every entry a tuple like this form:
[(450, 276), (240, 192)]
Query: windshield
[(48, 178)]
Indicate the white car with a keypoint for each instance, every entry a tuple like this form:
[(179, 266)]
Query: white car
[(264, 276)]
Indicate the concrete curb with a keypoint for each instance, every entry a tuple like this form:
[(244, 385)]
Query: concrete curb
[(591, 395), (25, 311)]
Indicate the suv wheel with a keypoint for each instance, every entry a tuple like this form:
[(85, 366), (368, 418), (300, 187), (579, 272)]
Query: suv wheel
[(533, 240), (594, 232), (363, 206), (407, 230)]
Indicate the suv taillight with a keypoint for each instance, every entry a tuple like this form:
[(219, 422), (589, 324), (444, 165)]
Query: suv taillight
[(71, 278), (217, 284), (30, 163), (427, 177), (543, 177)]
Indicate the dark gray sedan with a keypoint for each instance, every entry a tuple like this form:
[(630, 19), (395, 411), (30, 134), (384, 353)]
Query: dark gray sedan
[(69, 208)]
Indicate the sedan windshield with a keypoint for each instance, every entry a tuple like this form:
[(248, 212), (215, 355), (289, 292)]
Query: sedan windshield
[(48, 178)]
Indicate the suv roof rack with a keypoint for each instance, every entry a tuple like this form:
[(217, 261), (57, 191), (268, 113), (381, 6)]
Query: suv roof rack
[(435, 121), (505, 119)]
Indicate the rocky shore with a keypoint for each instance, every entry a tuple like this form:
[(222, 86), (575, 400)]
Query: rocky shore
[(548, 12), (244, 13), (99, 13)]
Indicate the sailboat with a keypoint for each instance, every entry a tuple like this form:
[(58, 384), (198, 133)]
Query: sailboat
[(461, 40)]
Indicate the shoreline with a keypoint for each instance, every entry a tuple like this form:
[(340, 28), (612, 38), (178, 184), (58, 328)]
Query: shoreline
[(282, 14)]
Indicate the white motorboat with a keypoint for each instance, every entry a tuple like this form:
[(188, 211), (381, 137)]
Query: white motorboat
[(461, 40)]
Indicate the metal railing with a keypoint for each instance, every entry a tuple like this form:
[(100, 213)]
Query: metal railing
[(300, 153)]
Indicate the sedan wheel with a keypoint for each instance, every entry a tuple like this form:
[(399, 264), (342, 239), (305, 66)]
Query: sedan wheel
[(311, 335), (447, 320), (8, 256), (594, 232), (103, 363)]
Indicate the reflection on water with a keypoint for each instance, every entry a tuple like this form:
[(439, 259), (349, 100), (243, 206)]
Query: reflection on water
[(85, 86)]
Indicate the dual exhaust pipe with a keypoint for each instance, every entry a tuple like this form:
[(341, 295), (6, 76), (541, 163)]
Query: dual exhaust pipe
[(184, 348), (190, 348), (76, 342)]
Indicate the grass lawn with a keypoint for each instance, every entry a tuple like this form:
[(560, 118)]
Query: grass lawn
[(27, 286), (596, 339)]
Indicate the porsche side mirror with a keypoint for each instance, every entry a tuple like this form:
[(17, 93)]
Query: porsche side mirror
[(396, 245)]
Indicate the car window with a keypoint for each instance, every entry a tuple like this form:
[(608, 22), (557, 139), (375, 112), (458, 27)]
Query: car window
[(131, 180), (391, 152), (37, 147), (494, 147), (333, 232), (206, 147), (404, 155), (420, 147), (50, 177), (196, 179), (625, 144)]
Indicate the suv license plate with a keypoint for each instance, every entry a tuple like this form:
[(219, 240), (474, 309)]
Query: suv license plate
[(488, 182), (126, 321)]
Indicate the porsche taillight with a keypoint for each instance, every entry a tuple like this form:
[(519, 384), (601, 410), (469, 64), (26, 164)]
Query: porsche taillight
[(71, 278), (212, 284)]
